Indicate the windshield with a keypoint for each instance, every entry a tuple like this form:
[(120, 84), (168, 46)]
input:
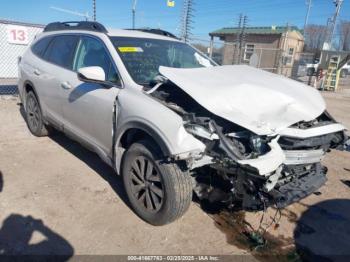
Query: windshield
[(142, 57)]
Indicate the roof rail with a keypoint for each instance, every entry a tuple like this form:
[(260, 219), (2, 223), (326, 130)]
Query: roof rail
[(155, 31), (75, 25)]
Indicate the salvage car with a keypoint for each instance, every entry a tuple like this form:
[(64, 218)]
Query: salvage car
[(172, 122)]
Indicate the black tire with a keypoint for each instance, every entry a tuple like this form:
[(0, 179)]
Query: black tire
[(161, 195), (34, 117)]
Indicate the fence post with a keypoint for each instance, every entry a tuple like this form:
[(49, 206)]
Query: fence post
[(211, 46)]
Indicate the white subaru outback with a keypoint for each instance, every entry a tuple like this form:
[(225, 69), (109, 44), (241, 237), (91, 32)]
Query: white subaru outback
[(172, 122)]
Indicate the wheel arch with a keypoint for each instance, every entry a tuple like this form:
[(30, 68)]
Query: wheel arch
[(133, 132), (27, 87)]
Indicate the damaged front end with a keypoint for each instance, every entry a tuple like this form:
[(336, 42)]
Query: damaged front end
[(242, 170), (278, 170)]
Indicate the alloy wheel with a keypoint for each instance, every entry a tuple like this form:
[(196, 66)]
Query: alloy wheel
[(146, 184), (33, 113)]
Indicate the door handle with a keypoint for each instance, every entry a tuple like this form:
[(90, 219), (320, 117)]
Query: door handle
[(66, 85), (37, 72)]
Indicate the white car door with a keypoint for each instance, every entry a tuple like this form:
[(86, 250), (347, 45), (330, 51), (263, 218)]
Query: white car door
[(88, 107), (55, 64)]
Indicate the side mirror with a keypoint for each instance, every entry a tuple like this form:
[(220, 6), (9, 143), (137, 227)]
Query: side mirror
[(92, 74)]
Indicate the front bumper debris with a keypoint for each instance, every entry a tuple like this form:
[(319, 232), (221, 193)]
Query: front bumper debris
[(298, 189)]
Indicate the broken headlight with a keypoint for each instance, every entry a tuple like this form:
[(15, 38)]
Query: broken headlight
[(251, 145), (258, 144), (200, 131)]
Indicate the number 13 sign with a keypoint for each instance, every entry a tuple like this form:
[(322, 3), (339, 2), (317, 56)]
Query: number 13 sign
[(17, 35)]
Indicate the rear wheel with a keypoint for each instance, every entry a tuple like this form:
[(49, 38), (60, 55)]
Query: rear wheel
[(158, 192), (34, 116)]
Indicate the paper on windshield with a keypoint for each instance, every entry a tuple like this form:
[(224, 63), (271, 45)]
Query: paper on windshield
[(130, 49)]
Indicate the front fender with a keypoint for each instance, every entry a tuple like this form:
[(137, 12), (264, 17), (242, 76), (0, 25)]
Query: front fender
[(138, 110)]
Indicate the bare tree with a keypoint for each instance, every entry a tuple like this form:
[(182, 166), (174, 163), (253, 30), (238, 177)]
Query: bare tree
[(344, 35), (315, 36), (201, 47)]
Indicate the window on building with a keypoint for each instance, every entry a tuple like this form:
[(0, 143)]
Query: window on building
[(248, 51), (291, 51), (288, 57)]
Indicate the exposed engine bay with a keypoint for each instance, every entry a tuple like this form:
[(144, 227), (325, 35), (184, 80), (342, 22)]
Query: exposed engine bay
[(242, 170)]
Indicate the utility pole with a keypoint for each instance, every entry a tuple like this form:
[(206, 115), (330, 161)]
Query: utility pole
[(338, 4), (186, 20), (240, 38), (309, 3), (236, 48), (133, 10), (331, 25), (94, 9), (243, 37)]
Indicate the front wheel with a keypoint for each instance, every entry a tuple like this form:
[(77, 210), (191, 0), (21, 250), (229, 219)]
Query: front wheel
[(158, 192)]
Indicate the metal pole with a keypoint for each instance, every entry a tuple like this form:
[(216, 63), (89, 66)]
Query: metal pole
[(211, 46), (332, 24), (259, 63), (94, 9), (338, 5), (134, 13), (307, 15)]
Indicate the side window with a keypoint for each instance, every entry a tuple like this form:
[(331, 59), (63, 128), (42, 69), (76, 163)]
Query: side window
[(39, 47), (91, 52), (61, 50)]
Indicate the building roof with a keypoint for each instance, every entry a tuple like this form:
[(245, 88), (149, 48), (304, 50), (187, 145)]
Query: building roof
[(260, 30), (10, 22)]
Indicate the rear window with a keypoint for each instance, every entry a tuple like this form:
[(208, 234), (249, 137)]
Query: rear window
[(39, 47), (61, 50)]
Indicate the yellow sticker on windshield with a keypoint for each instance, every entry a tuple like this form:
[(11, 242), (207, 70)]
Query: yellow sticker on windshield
[(129, 49)]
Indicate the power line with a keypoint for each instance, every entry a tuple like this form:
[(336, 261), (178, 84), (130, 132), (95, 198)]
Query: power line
[(86, 15)]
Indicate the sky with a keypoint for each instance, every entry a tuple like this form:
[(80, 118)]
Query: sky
[(209, 15)]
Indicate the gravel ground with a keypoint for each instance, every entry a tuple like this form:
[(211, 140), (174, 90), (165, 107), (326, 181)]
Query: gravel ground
[(59, 198)]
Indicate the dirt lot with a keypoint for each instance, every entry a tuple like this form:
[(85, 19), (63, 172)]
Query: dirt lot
[(59, 198)]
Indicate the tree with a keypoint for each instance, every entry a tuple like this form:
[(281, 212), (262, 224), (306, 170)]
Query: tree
[(201, 47), (344, 35), (315, 36)]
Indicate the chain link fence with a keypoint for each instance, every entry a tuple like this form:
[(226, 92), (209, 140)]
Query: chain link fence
[(292, 64), (8, 86), (15, 37)]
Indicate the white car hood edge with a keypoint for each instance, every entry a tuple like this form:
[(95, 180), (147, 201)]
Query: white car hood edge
[(260, 101)]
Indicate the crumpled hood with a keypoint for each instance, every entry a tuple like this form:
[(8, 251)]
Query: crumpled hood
[(262, 102)]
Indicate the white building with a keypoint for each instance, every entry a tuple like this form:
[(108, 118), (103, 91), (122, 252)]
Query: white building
[(15, 38)]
